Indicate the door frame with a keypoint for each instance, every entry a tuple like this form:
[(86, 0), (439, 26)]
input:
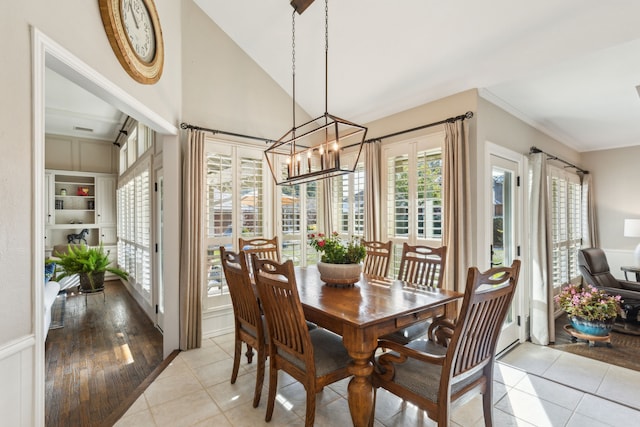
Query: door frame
[(520, 299), (46, 53)]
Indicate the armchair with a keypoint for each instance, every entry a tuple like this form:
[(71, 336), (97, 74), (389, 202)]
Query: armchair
[(594, 267)]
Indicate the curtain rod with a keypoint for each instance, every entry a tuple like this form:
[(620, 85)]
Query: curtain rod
[(216, 131), (467, 115), (122, 131), (534, 150)]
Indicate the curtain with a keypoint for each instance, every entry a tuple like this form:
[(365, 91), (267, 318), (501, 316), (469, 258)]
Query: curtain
[(542, 320), (327, 194), (372, 191), (457, 204), (590, 230), (191, 250)]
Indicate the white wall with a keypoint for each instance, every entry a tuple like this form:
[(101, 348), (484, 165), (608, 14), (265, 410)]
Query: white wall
[(76, 26), (615, 181)]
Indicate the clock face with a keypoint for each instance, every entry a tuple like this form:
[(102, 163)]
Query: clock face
[(139, 28)]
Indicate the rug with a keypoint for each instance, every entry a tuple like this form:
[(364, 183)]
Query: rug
[(624, 350), (57, 311)]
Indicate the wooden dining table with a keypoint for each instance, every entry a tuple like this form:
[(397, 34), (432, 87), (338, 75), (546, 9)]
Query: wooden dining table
[(363, 313)]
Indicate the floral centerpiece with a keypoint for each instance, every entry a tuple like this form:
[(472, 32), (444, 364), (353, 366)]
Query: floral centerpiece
[(339, 264), (590, 309), (335, 251)]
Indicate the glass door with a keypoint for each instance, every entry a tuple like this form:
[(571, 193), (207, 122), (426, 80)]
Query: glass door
[(504, 237)]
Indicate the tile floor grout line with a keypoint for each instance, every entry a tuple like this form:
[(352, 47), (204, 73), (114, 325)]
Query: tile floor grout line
[(573, 387)]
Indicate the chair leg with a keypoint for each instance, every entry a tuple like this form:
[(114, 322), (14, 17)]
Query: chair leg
[(310, 416), (273, 385), (487, 407), (236, 359), (259, 377), (249, 354), (373, 408)]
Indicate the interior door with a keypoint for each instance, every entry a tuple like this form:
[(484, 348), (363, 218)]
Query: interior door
[(505, 221)]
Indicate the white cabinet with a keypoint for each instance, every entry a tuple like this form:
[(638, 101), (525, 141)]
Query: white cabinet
[(108, 236), (80, 203), (105, 200)]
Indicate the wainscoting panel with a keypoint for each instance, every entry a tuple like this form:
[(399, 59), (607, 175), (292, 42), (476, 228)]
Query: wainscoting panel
[(16, 382), (217, 322), (618, 258)]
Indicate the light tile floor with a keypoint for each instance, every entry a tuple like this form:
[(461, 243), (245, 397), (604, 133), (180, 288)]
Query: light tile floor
[(533, 386)]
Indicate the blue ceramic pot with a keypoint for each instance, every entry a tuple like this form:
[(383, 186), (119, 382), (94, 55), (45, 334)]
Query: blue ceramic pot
[(598, 328)]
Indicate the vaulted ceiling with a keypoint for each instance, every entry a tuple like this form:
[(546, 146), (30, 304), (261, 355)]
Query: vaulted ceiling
[(570, 68)]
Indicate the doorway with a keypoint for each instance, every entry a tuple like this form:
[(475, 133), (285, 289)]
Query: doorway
[(49, 54), (505, 236)]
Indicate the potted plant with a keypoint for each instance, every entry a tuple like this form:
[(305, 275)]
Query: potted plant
[(591, 310), (90, 263), (340, 263)]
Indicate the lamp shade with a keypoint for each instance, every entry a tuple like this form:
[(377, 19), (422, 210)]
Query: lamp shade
[(632, 228)]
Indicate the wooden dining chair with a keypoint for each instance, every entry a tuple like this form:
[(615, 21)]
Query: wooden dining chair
[(315, 358), (262, 247), (376, 263), (248, 319), (420, 267), (456, 362)]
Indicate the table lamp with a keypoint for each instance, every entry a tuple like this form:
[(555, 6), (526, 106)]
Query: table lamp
[(632, 229)]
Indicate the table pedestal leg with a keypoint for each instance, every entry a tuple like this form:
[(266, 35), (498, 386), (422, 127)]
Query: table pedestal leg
[(360, 390)]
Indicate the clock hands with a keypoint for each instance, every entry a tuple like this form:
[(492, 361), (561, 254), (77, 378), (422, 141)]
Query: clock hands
[(135, 20)]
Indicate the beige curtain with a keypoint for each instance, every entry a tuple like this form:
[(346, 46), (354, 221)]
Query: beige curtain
[(372, 191), (457, 204), (542, 312), (590, 225), (191, 250), (327, 194)]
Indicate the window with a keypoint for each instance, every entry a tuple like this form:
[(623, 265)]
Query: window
[(134, 226), (139, 139), (348, 203), (565, 193), (413, 187), (299, 215), (235, 207)]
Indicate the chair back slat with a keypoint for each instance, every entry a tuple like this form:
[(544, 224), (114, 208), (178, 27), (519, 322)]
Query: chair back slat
[(422, 266), (282, 308), (243, 298), (487, 299), (376, 263), (261, 247)]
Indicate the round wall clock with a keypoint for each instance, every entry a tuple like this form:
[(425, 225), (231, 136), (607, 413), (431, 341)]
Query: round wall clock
[(133, 29)]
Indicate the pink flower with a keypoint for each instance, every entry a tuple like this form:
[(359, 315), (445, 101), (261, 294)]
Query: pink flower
[(321, 243)]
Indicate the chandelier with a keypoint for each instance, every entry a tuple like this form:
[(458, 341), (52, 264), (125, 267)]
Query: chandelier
[(311, 151)]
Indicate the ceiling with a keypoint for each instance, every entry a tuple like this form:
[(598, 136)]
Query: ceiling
[(570, 68), (72, 111)]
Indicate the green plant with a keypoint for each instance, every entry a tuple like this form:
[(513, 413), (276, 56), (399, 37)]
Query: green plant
[(588, 302), (335, 251), (85, 260)]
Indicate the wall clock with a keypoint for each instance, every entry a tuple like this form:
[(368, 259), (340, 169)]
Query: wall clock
[(133, 29)]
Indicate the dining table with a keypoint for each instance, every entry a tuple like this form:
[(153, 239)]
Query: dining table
[(363, 313)]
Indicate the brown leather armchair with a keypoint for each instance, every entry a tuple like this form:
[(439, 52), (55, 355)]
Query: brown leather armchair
[(594, 267)]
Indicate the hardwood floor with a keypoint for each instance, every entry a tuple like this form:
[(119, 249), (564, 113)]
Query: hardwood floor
[(99, 358)]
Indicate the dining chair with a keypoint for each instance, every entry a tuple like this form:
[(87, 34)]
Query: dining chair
[(420, 267), (248, 319), (262, 247), (456, 362), (376, 263), (315, 357)]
